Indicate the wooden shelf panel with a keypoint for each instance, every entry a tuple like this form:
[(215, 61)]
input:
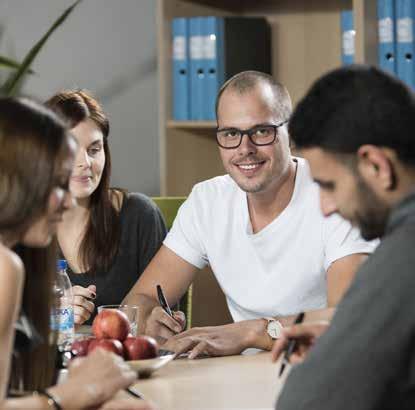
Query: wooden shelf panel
[(262, 7), (192, 156), (205, 125)]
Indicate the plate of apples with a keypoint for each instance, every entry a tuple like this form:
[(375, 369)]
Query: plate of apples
[(111, 331)]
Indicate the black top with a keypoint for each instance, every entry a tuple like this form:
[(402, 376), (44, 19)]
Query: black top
[(142, 233), (366, 359)]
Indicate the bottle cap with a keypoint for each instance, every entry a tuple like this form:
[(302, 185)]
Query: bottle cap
[(62, 264)]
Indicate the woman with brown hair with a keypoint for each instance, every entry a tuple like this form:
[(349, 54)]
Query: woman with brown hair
[(111, 236), (36, 160)]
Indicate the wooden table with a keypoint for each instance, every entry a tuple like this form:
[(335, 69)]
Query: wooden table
[(233, 382)]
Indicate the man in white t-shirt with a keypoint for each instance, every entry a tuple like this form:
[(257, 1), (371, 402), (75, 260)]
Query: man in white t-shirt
[(260, 228)]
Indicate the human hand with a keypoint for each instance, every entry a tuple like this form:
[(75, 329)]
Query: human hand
[(83, 307), (305, 334), (94, 379), (162, 326), (213, 341)]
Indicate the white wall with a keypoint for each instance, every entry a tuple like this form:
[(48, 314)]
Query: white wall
[(109, 47)]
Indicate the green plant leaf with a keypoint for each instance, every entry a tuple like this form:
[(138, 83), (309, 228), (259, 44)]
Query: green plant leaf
[(11, 84), (6, 62)]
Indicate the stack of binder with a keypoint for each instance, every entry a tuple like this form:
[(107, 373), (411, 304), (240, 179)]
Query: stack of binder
[(209, 50), (396, 45)]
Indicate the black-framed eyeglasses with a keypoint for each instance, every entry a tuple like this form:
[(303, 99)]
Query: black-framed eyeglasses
[(231, 138)]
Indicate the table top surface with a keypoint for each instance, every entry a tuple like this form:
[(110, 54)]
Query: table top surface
[(232, 382)]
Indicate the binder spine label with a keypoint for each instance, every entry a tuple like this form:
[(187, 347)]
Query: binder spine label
[(196, 47), (385, 29), (179, 48), (348, 42), (210, 47), (404, 30)]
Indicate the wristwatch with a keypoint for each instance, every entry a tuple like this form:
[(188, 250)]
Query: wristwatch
[(274, 328)]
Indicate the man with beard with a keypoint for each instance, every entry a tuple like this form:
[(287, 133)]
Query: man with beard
[(360, 144), (260, 229)]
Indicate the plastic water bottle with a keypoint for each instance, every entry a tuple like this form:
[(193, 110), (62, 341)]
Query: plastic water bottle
[(62, 317)]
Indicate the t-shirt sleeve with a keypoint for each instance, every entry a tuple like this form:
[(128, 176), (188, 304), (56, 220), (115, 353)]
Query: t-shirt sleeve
[(151, 229), (185, 236), (341, 239), (364, 358)]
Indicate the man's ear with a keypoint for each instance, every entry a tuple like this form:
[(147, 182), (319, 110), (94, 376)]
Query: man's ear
[(376, 168)]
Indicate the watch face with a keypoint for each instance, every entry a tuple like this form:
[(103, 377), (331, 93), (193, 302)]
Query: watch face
[(274, 329)]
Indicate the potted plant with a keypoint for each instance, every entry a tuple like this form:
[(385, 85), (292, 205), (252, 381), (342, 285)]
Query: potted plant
[(20, 69)]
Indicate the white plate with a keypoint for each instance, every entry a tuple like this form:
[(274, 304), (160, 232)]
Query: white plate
[(146, 367)]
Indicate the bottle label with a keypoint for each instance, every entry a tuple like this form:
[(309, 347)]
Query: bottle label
[(62, 321)]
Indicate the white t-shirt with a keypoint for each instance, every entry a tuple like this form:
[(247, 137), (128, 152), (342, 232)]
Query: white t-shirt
[(278, 271)]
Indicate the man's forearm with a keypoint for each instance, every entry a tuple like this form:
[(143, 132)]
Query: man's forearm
[(145, 303), (259, 337), (310, 316)]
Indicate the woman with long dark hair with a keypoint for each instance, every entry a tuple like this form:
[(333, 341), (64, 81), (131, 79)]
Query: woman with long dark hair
[(111, 236), (36, 161)]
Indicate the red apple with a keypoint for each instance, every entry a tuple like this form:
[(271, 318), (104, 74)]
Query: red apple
[(112, 345), (141, 347), (79, 348), (111, 324)]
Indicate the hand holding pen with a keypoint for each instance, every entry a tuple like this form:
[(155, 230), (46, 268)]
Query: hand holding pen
[(164, 304), (292, 344), (163, 301), (301, 337)]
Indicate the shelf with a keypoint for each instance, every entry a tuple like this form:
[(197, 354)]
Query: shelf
[(204, 125)]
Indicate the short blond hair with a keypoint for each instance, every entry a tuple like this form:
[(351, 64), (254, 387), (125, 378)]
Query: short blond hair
[(246, 81)]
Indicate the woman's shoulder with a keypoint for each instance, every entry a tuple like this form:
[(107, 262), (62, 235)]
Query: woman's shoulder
[(11, 287), (138, 201), (140, 211), (10, 263)]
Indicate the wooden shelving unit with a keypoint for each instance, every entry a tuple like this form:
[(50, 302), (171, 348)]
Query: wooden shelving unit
[(202, 125), (306, 42)]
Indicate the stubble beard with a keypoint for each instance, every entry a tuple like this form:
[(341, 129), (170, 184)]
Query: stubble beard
[(252, 185), (372, 215)]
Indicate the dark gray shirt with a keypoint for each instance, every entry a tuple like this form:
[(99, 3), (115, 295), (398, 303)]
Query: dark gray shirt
[(142, 233), (366, 359)]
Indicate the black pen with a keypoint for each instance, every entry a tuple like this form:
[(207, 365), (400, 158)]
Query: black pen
[(291, 346), (163, 301), (133, 393)]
